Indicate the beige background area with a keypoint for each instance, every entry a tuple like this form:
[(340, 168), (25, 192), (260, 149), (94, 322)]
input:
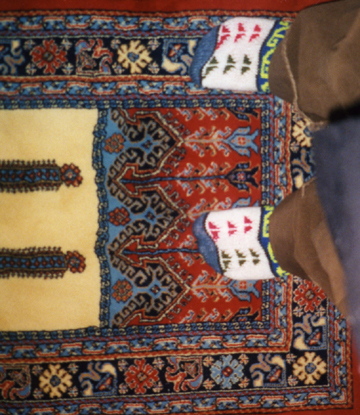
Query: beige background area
[(66, 218)]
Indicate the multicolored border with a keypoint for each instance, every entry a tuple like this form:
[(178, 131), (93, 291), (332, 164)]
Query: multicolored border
[(116, 354)]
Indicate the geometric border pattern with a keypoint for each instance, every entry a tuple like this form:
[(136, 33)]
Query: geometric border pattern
[(211, 367)]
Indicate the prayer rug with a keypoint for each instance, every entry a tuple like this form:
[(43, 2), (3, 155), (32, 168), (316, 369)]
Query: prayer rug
[(109, 153)]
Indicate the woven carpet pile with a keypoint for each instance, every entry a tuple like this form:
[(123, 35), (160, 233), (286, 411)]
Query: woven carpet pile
[(108, 154)]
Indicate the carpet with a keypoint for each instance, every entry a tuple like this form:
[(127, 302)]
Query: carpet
[(109, 153)]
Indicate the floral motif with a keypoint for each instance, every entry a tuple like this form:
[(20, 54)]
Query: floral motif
[(158, 363), (290, 358), (73, 392), (114, 144), (227, 371), (208, 384), (48, 56), (244, 383), (134, 57), (308, 295), (141, 376), (294, 146), (158, 387), (73, 368), (66, 43), (208, 361), (70, 175), (309, 368), (292, 381), (122, 291), (153, 44), (115, 43), (242, 176), (119, 216), (38, 394), (118, 69), (298, 312), (37, 370), (320, 312), (75, 262), (55, 381), (244, 359), (123, 389), (68, 69), (29, 44), (122, 365), (31, 69), (154, 68)]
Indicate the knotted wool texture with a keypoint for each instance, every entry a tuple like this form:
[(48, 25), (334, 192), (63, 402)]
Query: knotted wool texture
[(109, 154)]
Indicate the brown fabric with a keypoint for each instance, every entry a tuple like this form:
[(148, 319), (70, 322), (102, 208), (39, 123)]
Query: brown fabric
[(302, 243), (317, 65)]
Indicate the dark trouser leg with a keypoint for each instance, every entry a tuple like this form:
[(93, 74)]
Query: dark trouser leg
[(302, 243), (317, 66)]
